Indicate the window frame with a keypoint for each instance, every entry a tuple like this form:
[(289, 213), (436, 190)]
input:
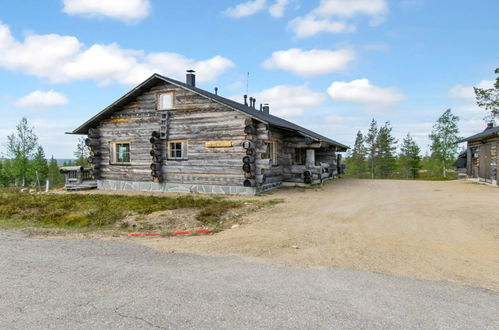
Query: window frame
[(272, 152), (184, 150), (113, 156), (300, 156), (158, 100)]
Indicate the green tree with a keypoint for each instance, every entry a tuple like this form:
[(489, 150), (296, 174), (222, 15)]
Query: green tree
[(54, 175), (39, 164), (385, 156), (410, 159), (444, 137), (488, 98), (21, 146), (370, 140), (81, 152), (357, 161)]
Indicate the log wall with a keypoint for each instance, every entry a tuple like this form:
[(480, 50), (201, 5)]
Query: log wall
[(196, 120)]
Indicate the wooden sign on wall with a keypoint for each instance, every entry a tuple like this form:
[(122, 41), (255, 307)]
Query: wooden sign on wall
[(218, 144)]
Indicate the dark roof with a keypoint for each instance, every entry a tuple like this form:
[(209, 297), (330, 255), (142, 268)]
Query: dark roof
[(488, 132), (254, 113)]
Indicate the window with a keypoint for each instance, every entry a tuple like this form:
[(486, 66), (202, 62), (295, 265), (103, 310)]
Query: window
[(271, 151), (300, 156), (120, 152), (177, 149), (166, 100)]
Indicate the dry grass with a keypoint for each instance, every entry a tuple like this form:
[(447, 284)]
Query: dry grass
[(96, 211)]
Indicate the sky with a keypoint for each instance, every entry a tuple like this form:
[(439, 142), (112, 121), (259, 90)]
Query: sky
[(328, 65)]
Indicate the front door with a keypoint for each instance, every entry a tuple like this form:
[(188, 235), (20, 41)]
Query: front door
[(484, 167)]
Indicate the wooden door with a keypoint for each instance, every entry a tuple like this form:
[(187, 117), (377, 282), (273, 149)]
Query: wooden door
[(484, 167)]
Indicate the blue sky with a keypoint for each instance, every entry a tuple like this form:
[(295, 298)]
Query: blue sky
[(329, 65)]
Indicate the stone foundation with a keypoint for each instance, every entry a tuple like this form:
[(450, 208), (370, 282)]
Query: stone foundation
[(182, 187)]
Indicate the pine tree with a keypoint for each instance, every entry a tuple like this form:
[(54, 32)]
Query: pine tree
[(370, 140), (81, 153), (21, 147), (54, 175), (386, 147), (444, 137), (357, 161), (489, 98), (39, 164), (410, 158)]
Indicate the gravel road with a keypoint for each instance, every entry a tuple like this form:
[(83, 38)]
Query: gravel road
[(92, 284)]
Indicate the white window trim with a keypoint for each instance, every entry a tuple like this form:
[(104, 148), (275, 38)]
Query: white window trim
[(112, 153), (184, 149), (158, 100)]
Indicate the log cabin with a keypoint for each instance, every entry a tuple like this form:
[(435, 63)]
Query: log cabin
[(166, 135), (480, 159)]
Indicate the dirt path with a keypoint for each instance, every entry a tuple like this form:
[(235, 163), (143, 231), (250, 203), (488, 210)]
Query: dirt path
[(430, 230)]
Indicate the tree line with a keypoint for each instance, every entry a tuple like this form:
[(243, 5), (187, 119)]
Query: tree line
[(374, 155), (26, 164), (377, 154)]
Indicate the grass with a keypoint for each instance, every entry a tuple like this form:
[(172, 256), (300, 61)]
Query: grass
[(95, 211)]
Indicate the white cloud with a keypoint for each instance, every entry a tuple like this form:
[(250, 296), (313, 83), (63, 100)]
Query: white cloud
[(310, 25), (376, 9), (129, 11), (311, 62), (246, 8), (333, 119), (278, 8), (467, 92), (65, 58), (288, 101), (332, 16), (41, 99), (377, 100)]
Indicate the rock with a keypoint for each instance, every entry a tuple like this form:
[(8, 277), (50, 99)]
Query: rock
[(25, 190), (32, 191), (234, 226), (295, 246)]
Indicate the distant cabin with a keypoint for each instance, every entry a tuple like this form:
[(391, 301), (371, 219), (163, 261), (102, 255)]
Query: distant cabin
[(480, 159), (166, 135)]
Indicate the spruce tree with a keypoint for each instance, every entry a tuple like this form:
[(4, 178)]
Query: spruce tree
[(410, 159), (371, 140), (39, 164), (358, 157), (385, 156), (54, 175)]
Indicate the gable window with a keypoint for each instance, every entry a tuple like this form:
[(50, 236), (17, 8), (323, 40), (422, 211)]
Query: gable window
[(177, 149), (119, 152), (166, 100), (271, 151)]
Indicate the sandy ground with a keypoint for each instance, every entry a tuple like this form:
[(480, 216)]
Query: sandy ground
[(445, 231)]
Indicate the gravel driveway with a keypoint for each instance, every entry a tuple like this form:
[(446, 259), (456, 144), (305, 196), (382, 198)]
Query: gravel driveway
[(91, 284)]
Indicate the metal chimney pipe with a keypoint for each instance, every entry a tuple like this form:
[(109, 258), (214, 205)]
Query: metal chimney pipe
[(190, 78), (266, 108), (245, 99), (216, 90)]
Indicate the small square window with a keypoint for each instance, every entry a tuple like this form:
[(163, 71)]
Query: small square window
[(166, 101), (177, 150)]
